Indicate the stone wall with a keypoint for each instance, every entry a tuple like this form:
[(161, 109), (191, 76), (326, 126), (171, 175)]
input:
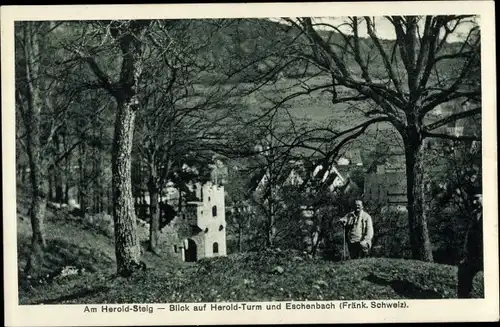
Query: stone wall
[(167, 238)]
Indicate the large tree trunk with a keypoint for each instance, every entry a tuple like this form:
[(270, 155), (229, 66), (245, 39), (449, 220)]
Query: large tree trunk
[(127, 246), (37, 164), (67, 173), (22, 170), (95, 185), (420, 243), (316, 237), (37, 215), (271, 223), (179, 203), (101, 184), (240, 236), (271, 229), (38, 204), (83, 185), (109, 199), (51, 178), (59, 196), (58, 175), (154, 209)]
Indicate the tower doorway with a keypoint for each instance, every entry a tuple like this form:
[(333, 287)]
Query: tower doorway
[(190, 252)]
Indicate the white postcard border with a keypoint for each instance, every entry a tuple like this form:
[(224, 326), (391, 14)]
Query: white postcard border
[(418, 310)]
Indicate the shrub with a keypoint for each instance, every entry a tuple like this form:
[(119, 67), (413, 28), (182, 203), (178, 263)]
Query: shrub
[(391, 237), (101, 222)]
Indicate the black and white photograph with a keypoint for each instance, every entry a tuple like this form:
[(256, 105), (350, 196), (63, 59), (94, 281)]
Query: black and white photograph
[(245, 165)]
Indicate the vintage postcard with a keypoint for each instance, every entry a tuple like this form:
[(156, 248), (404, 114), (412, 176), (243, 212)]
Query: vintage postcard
[(249, 163)]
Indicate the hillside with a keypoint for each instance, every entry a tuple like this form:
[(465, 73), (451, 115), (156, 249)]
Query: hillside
[(262, 44), (253, 276), (229, 44)]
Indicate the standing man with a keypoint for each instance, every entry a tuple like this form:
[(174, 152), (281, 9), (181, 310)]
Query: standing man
[(473, 258), (358, 228)]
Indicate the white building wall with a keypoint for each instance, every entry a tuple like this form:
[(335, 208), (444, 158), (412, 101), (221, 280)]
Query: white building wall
[(213, 195)]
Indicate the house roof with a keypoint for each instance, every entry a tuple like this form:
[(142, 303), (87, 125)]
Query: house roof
[(467, 126), (353, 156), (300, 170), (346, 170)]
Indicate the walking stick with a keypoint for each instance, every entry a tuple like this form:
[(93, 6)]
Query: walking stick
[(343, 244)]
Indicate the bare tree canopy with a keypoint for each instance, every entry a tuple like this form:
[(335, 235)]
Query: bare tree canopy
[(399, 82)]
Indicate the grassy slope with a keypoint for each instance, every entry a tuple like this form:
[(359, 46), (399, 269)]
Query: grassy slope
[(238, 277)]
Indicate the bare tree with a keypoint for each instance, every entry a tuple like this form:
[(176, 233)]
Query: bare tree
[(181, 115), (42, 103), (32, 114), (126, 40)]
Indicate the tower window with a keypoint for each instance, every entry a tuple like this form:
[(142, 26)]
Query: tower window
[(214, 211), (208, 199), (221, 227), (215, 247)]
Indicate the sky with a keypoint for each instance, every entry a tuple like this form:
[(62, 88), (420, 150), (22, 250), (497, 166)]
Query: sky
[(385, 30)]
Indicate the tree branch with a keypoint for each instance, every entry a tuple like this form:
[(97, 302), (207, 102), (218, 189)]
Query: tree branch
[(385, 58), (317, 40), (104, 79), (357, 50), (396, 21), (452, 137), (431, 35), (451, 92), (288, 98), (452, 118)]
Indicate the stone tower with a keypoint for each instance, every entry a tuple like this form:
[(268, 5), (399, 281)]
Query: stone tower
[(206, 222)]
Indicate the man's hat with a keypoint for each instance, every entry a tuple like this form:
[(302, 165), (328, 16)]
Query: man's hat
[(217, 156)]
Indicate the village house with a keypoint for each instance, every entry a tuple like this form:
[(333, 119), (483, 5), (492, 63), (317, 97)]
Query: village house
[(300, 171), (349, 161), (386, 187), (312, 176), (307, 173), (468, 126)]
